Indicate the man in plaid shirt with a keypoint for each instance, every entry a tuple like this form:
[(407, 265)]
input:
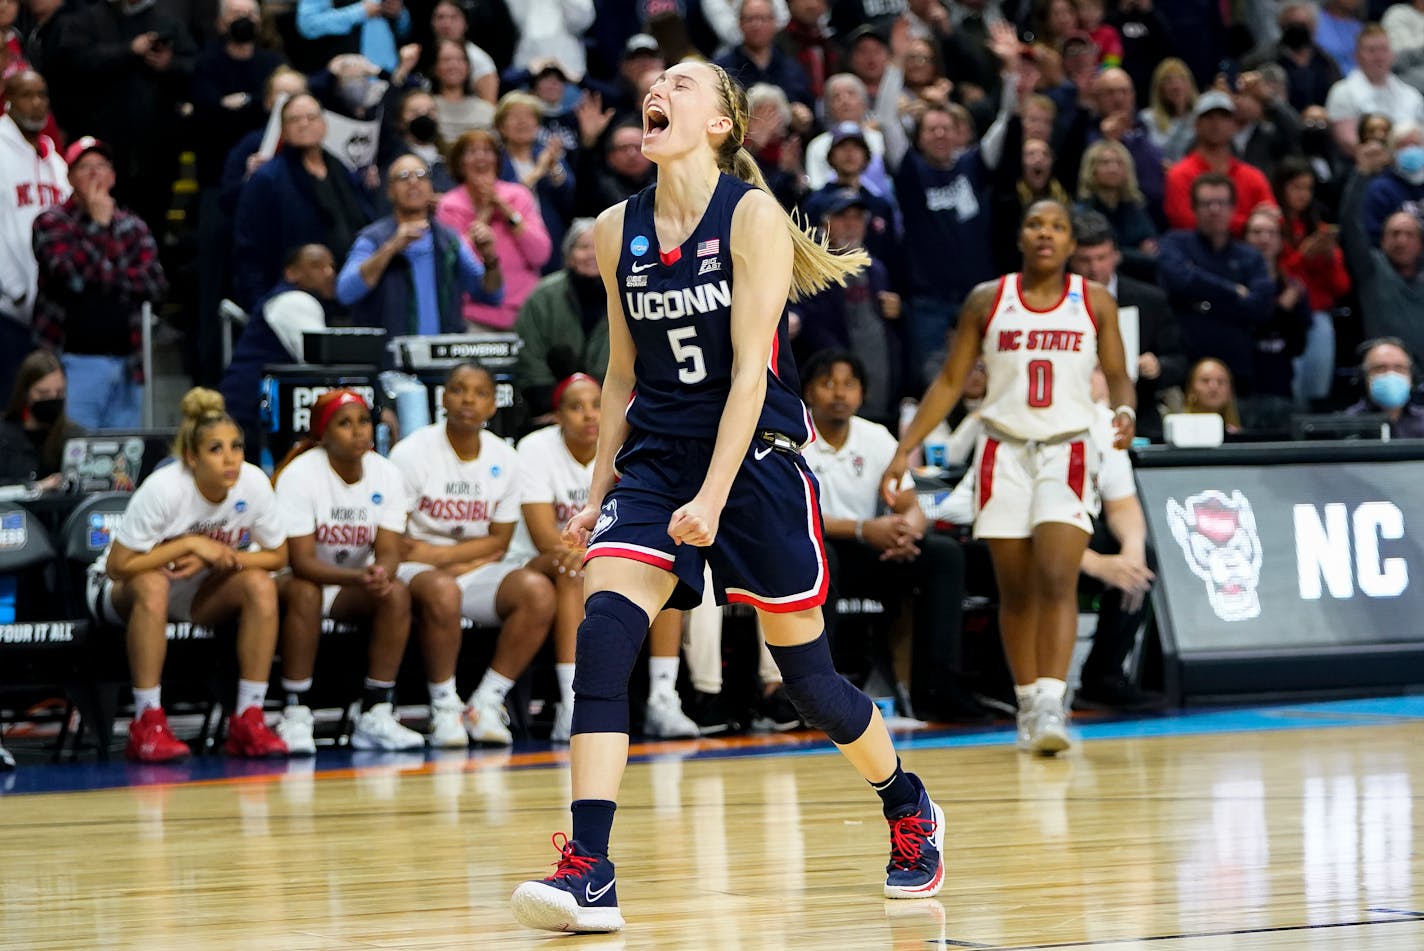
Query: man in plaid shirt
[(98, 264)]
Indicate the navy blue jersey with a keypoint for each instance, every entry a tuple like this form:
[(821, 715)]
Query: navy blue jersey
[(678, 306)]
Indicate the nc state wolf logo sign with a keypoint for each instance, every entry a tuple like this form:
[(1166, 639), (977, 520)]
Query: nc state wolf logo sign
[(1218, 538)]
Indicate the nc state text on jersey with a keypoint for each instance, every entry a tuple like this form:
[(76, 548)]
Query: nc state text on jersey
[(1041, 340)]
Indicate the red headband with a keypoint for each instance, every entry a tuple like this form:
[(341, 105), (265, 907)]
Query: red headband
[(328, 410), (568, 381)]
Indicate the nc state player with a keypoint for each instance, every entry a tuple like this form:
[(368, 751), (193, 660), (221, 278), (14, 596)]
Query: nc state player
[(1041, 332), (462, 489), (708, 473), (198, 542), (557, 463), (343, 508)]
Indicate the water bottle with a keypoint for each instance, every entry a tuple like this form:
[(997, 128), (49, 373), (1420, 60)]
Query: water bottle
[(411, 397), (935, 453), (383, 439)]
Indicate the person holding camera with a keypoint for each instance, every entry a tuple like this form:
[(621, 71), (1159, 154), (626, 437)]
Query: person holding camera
[(129, 64)]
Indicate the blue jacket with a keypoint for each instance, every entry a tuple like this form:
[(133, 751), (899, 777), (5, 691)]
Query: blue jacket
[(1216, 321), (1384, 195), (391, 304), (276, 214)]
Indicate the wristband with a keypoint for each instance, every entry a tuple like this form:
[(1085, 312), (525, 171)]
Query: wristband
[(859, 530), (1125, 410)]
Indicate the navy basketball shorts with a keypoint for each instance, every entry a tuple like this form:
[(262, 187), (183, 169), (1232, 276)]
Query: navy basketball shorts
[(769, 550)]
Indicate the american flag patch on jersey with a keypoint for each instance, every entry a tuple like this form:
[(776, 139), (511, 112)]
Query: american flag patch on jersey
[(705, 249)]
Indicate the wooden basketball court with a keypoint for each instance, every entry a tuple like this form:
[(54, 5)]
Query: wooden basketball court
[(1277, 828)]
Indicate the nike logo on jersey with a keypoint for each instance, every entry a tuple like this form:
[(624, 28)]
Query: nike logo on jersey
[(592, 896), (760, 454), (637, 268)]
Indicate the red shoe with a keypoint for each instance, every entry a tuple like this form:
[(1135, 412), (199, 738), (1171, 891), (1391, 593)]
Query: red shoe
[(248, 735), (150, 740)]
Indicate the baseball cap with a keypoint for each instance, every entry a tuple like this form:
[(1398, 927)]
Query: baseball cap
[(640, 43), (844, 198), (863, 31), (79, 147), (847, 130), (550, 64), (1213, 101)]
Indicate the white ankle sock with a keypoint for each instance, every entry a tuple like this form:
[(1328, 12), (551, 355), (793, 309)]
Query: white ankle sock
[(250, 693), (444, 690), (662, 674), (565, 673), (1051, 689), (494, 686), (146, 698)]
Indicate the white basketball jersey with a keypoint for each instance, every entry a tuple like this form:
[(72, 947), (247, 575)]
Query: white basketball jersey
[(1040, 363)]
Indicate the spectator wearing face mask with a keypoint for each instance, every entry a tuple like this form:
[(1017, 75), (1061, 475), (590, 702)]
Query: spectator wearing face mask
[(228, 79), (1310, 72), (1388, 372), (1399, 187), (417, 132), (34, 430)]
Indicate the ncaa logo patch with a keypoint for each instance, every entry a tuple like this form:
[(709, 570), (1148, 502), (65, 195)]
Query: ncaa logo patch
[(240, 507), (377, 498), (494, 472), (639, 246)]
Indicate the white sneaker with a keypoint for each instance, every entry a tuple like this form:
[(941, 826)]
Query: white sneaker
[(486, 721), (6, 760), (1048, 731), (295, 729), (378, 729), (664, 718), (563, 723), (446, 730), (1024, 741)]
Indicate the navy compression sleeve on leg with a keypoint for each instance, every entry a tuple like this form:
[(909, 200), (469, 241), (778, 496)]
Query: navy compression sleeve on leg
[(824, 698), (609, 640)]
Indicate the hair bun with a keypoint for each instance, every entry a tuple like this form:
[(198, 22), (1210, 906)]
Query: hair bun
[(200, 402)]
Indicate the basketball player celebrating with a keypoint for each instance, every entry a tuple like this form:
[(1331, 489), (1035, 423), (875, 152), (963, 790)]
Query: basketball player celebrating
[(343, 508), (698, 270), (185, 552), (557, 463), (1041, 332), (462, 490)]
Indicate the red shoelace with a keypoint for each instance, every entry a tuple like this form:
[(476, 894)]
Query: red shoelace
[(907, 839), (570, 863)]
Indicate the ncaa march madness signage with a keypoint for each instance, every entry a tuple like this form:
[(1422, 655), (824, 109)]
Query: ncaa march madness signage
[(1323, 554)]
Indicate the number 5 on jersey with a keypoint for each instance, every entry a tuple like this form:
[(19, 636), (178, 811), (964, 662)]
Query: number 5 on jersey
[(691, 367)]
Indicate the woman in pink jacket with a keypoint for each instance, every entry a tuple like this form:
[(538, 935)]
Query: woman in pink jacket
[(512, 213)]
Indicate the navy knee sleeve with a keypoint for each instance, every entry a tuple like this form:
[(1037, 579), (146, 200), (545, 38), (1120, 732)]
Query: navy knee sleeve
[(609, 639), (824, 698)]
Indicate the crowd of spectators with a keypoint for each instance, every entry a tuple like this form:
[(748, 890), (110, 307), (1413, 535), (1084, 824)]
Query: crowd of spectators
[(1253, 196)]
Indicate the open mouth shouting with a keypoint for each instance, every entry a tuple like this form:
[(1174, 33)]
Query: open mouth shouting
[(655, 121)]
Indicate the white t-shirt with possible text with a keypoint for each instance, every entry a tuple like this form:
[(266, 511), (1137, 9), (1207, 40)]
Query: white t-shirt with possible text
[(552, 476), (344, 517), (452, 500), (168, 505)]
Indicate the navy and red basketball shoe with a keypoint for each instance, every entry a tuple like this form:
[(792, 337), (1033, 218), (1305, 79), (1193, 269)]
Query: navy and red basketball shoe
[(916, 868), (579, 896)]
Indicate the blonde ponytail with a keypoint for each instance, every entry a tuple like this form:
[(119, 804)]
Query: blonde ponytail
[(201, 408), (814, 266)]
